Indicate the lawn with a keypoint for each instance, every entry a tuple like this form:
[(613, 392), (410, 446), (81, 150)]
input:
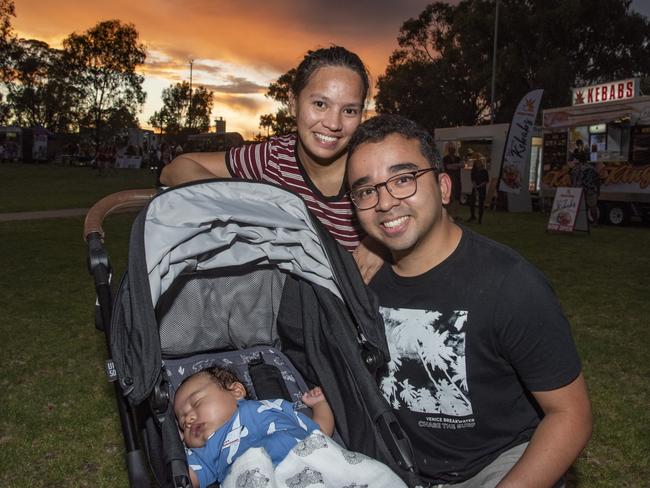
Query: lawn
[(58, 424), (27, 187)]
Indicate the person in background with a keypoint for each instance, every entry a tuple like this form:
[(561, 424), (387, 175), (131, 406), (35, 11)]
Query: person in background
[(580, 153), (584, 175), (453, 166), (480, 178), (328, 95), (178, 150), (484, 375)]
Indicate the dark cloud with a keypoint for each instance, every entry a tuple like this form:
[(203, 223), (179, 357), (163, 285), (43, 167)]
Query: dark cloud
[(246, 105), (238, 85)]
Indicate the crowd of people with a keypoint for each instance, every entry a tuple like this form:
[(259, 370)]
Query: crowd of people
[(484, 375), (9, 152)]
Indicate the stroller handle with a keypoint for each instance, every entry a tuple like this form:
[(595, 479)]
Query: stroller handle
[(122, 200)]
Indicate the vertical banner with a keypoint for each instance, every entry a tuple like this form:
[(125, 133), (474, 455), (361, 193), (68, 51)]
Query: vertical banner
[(517, 149)]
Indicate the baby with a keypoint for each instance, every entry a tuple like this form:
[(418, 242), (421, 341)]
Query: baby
[(218, 424)]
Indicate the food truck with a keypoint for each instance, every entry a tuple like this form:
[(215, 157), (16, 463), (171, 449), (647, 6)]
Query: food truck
[(613, 121)]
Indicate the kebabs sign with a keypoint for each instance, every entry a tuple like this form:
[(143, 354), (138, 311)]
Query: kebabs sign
[(606, 92), (518, 142)]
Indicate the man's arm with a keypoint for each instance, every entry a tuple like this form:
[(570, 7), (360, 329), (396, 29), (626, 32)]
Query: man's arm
[(558, 440), (194, 166)]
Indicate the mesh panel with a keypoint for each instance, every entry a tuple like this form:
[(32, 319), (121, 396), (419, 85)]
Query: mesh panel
[(228, 309)]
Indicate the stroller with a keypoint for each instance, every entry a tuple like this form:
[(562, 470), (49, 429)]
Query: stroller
[(237, 273)]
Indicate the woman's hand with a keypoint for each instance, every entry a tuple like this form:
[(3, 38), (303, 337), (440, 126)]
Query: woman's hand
[(369, 256)]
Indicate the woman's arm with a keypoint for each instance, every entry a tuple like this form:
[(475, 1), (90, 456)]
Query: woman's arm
[(195, 166), (369, 256)]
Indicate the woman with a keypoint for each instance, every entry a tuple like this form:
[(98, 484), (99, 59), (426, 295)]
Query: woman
[(328, 96)]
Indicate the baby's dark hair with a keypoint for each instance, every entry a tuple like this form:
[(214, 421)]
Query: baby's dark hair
[(330, 56), (378, 128), (222, 377)]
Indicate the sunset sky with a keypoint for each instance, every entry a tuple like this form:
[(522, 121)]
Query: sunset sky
[(238, 47)]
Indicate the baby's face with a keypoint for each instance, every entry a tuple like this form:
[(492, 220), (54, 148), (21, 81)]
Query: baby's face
[(201, 407)]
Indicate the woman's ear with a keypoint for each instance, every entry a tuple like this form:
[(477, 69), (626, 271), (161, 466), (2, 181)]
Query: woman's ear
[(292, 105), (444, 182)]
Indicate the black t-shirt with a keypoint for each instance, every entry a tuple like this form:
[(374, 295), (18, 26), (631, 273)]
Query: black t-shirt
[(448, 160), (468, 340)]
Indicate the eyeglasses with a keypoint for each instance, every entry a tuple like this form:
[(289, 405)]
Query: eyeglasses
[(400, 186)]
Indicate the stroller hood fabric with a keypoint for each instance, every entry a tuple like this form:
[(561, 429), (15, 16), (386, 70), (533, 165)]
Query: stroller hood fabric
[(263, 244)]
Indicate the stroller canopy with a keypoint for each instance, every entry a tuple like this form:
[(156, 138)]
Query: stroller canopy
[(209, 225)]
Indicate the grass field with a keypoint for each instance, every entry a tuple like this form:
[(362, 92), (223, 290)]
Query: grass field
[(58, 424), (27, 187)]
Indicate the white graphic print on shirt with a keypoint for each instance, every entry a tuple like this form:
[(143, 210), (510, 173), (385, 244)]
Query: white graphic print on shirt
[(427, 372)]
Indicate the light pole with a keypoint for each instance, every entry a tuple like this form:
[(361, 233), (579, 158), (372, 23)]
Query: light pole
[(494, 61), (189, 110)]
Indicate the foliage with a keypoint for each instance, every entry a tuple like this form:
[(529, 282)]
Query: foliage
[(282, 122), (103, 62), (179, 114), (40, 91), (7, 11), (441, 74)]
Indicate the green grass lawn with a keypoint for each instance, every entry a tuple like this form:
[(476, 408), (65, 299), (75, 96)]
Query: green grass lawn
[(58, 423), (27, 187)]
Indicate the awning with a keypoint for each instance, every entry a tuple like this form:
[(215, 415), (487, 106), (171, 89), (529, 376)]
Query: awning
[(633, 111)]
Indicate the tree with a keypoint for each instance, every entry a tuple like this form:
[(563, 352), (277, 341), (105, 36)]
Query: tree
[(39, 90), (266, 122), (282, 122), (175, 116), (103, 62), (7, 11), (549, 44)]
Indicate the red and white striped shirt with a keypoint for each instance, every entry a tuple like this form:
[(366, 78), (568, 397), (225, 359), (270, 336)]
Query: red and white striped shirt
[(276, 161)]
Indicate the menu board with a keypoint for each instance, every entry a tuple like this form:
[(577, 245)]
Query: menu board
[(554, 153), (640, 145), (568, 212)]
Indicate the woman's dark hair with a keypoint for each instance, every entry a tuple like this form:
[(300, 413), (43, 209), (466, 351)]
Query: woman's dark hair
[(377, 128), (330, 56)]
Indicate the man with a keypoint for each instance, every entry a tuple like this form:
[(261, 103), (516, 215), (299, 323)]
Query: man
[(453, 166), (484, 376), (584, 175), (580, 152), (480, 179)]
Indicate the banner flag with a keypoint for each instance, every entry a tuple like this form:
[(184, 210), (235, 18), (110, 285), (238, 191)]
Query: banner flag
[(517, 149)]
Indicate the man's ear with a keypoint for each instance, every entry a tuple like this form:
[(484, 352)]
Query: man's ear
[(444, 182)]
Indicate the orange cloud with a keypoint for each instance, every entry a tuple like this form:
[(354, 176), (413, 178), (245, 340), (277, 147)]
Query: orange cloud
[(238, 48)]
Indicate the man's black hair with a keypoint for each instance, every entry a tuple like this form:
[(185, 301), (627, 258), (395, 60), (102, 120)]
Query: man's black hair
[(379, 127)]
